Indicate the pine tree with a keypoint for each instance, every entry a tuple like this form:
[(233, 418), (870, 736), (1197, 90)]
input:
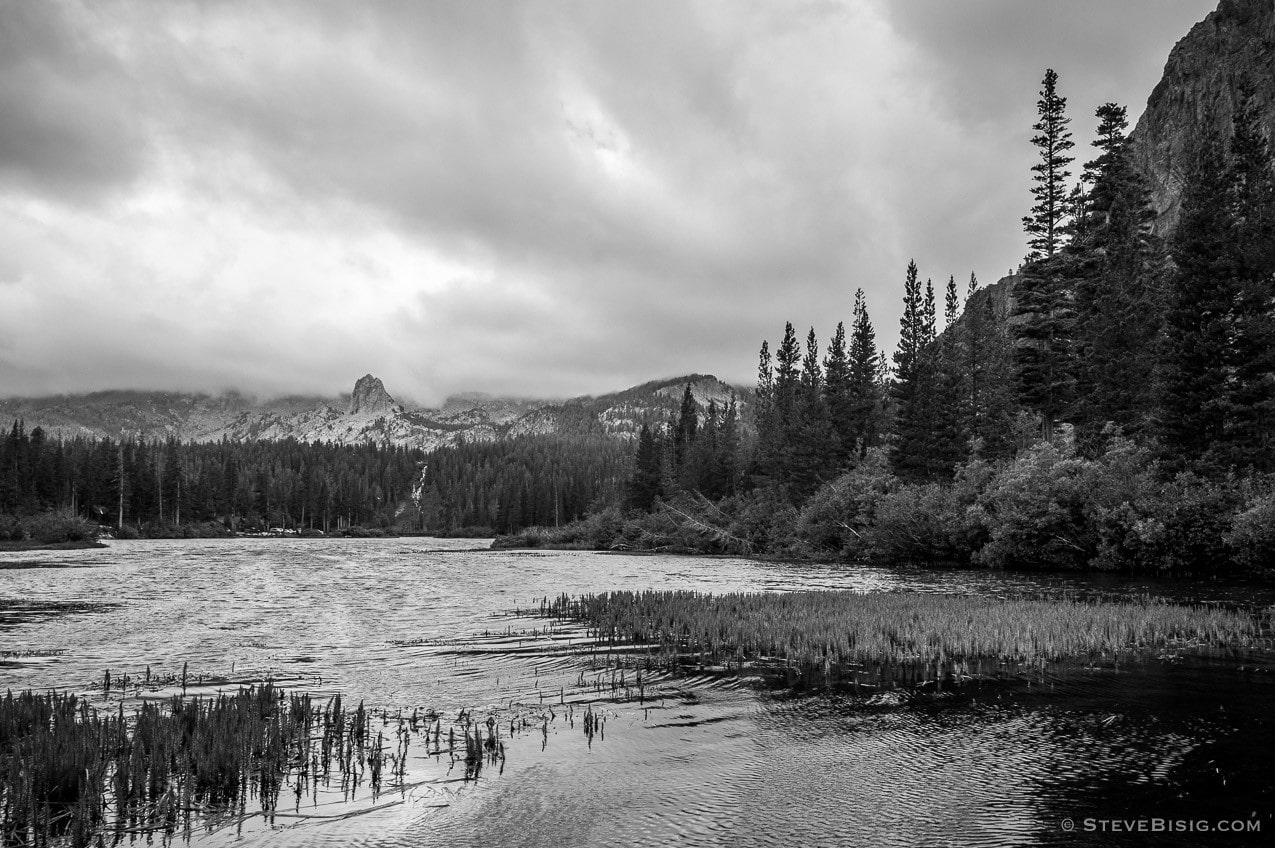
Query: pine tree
[(1194, 361), (911, 379), (726, 462), (1044, 309), (839, 399), (787, 359), (951, 305), (949, 430), (1119, 302), (811, 438), (1044, 326), (1045, 224), (990, 406), (1250, 435), (685, 429), (911, 331), (865, 368), (644, 487), (928, 316)]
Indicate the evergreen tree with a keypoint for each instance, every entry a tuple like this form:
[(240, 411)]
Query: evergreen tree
[(726, 461), (911, 332), (685, 428), (948, 411), (1119, 301), (1045, 224), (1250, 433), (810, 443), (910, 389), (764, 415), (787, 370), (776, 451), (865, 368), (1195, 362), (928, 315), (1044, 326), (839, 401), (951, 305), (644, 487)]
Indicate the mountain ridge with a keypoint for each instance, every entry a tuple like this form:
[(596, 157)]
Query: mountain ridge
[(370, 413)]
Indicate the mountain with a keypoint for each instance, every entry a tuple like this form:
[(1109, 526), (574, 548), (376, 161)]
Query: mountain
[(369, 414), (1202, 85)]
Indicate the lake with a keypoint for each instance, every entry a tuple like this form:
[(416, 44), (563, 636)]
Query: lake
[(1146, 752)]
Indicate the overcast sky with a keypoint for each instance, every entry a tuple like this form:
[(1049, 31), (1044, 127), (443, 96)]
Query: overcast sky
[(541, 199)]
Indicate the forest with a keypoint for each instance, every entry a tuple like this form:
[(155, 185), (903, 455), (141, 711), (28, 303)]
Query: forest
[(1111, 405), (199, 489), (52, 488)]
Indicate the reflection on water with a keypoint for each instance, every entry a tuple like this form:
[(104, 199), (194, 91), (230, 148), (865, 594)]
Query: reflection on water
[(419, 624)]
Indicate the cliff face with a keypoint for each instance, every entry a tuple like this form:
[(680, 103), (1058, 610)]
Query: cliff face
[(1201, 84), (370, 398)]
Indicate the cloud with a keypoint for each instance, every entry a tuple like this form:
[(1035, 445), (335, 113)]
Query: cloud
[(549, 198), (69, 124)]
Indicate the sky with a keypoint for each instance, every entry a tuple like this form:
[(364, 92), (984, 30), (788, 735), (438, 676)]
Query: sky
[(540, 199)]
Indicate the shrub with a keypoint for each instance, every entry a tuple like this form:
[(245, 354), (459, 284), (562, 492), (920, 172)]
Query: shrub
[(62, 526), (11, 529), (765, 519), (1251, 537), (932, 522), (918, 523), (1050, 508), (838, 516)]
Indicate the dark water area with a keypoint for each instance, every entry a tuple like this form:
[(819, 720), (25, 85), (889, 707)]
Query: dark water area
[(1147, 752)]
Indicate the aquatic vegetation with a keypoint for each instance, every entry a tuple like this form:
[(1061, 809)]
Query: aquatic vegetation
[(71, 773), (831, 636)]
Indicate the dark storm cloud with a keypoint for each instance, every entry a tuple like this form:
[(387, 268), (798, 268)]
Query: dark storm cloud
[(533, 198), (69, 119), (975, 51)]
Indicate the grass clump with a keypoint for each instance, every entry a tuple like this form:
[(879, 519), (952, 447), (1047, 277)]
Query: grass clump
[(826, 635)]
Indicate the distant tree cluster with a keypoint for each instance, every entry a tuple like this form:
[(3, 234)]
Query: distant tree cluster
[(816, 417), (1172, 343), (257, 484), (691, 453), (504, 486)]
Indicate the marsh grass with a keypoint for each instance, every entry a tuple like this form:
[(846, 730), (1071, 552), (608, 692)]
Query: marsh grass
[(827, 638), (71, 774)]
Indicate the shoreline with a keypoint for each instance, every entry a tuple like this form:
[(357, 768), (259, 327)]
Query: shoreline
[(18, 547)]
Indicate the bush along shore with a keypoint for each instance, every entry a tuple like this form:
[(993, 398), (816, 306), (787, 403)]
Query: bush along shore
[(1047, 508), (55, 529), (834, 638)]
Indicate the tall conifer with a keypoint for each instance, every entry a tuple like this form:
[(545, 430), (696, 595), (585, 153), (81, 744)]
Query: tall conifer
[(1045, 224)]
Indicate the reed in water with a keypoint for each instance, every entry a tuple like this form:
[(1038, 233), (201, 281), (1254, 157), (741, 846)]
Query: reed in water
[(839, 634), (73, 774)]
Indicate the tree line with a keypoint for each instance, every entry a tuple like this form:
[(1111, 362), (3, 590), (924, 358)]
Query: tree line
[(156, 486), (481, 488)]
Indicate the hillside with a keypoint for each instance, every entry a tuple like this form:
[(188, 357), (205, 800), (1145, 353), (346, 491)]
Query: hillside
[(369, 414)]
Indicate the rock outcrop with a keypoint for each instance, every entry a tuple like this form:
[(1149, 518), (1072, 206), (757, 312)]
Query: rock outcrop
[(370, 398), (1202, 84)]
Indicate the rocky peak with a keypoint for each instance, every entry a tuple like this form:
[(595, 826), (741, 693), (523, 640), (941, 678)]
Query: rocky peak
[(1201, 84), (370, 397)]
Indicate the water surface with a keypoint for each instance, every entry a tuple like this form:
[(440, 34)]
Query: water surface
[(413, 624)]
